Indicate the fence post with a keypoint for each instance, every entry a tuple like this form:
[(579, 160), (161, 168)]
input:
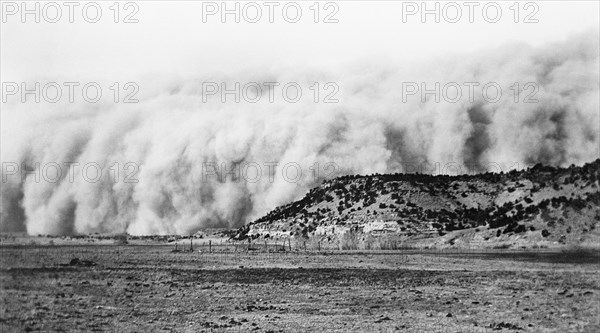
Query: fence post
[(209, 246)]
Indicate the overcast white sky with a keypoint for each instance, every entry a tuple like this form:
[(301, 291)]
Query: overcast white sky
[(170, 38)]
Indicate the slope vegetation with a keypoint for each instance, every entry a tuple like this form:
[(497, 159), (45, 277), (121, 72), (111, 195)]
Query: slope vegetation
[(541, 206)]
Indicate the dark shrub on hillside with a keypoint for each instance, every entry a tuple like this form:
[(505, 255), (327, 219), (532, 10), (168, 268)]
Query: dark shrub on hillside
[(121, 239)]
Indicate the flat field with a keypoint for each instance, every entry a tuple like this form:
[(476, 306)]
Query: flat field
[(139, 288)]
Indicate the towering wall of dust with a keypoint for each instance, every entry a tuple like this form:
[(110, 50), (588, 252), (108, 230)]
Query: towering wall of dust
[(173, 139)]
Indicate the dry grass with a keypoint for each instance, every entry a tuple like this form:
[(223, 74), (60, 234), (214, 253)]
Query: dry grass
[(148, 288)]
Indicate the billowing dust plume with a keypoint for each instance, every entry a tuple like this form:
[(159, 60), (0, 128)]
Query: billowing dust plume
[(184, 164)]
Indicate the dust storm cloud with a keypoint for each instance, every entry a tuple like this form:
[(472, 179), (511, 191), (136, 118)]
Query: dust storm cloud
[(171, 141)]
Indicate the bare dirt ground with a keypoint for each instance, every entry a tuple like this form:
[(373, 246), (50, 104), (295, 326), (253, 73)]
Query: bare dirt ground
[(151, 289)]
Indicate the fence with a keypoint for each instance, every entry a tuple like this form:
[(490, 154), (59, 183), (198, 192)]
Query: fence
[(235, 253)]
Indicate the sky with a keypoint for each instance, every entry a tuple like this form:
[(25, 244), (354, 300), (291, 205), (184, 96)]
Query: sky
[(171, 38)]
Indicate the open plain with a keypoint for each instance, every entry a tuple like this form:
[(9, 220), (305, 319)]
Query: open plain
[(144, 288)]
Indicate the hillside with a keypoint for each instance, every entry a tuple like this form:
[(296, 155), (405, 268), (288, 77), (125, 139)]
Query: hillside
[(539, 207)]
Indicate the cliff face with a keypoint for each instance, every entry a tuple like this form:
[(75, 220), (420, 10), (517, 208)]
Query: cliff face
[(541, 206)]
